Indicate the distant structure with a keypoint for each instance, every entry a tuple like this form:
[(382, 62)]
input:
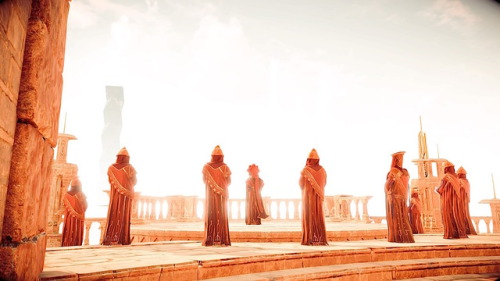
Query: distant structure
[(430, 173), (112, 129), (62, 174)]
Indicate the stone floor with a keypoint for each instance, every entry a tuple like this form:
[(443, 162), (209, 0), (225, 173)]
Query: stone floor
[(269, 231), (186, 257)]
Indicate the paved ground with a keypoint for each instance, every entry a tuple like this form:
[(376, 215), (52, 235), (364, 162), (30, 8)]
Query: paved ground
[(97, 258)]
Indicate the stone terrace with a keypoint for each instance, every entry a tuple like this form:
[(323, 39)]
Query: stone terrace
[(354, 260)]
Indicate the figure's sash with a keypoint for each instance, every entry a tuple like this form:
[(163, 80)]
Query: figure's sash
[(209, 173), (115, 183), (310, 175), (397, 176), (455, 183), (464, 183), (70, 209)]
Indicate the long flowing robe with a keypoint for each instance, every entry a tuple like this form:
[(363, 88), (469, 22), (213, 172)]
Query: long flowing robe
[(122, 182), (396, 190), (254, 206), (464, 209), (313, 183), (74, 219), (415, 212), (449, 190), (216, 182)]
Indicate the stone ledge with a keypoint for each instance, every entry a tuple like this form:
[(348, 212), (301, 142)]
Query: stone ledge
[(430, 256), (388, 270)]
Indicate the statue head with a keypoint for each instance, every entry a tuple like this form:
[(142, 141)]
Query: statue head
[(313, 158), (217, 155), (76, 185), (461, 173), (253, 170), (397, 159), (449, 167), (122, 156)]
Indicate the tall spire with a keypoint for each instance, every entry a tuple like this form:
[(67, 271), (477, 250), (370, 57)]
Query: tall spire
[(494, 192), (422, 143), (65, 117)]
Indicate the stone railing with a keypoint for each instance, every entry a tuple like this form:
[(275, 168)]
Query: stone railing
[(100, 224), (479, 222), (191, 208)]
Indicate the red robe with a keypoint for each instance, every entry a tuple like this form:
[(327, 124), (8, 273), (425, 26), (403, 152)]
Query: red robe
[(415, 211), (313, 183), (398, 223), (74, 219), (120, 205), (464, 209), (254, 206), (449, 190), (216, 181)]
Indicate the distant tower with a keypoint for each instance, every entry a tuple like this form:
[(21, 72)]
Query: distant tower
[(110, 137), (426, 184), (423, 152), (62, 174)]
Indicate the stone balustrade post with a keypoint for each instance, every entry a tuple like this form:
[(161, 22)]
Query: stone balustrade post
[(102, 227), (240, 213), (135, 207), (356, 203), (364, 201), (296, 209), (88, 224)]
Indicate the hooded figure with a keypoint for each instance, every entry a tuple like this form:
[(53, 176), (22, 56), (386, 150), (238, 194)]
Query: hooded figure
[(415, 212), (449, 190), (217, 177), (75, 205), (312, 183), (464, 201), (122, 178), (396, 196), (254, 207)]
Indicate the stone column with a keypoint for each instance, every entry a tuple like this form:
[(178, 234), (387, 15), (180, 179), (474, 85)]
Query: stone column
[(111, 131), (32, 44), (495, 212)]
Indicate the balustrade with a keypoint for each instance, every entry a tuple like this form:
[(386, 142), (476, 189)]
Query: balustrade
[(191, 208), (479, 222)]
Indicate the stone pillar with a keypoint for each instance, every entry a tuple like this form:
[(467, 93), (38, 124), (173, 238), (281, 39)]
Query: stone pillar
[(495, 212), (111, 131), (32, 44)]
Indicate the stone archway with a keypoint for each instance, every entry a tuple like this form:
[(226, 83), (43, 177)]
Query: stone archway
[(32, 46)]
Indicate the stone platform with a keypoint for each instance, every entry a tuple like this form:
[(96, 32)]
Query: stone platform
[(431, 255), (269, 231)]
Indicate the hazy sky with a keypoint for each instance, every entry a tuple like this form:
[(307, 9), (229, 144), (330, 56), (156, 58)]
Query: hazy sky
[(270, 80)]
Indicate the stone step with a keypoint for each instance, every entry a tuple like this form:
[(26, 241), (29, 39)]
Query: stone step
[(460, 277), (382, 270)]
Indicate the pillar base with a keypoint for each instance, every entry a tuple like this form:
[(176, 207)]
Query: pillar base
[(23, 261)]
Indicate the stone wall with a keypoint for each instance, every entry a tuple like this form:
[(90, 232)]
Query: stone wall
[(32, 44)]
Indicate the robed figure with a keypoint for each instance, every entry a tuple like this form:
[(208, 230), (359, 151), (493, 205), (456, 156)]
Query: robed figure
[(312, 183), (75, 205), (415, 212), (122, 178), (464, 201), (396, 197), (449, 190), (254, 206), (217, 177)]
